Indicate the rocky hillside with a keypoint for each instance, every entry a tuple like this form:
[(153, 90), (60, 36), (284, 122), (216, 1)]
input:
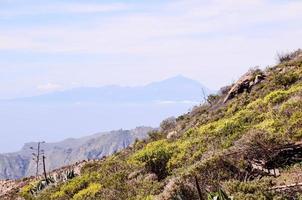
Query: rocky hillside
[(20, 164), (243, 143)]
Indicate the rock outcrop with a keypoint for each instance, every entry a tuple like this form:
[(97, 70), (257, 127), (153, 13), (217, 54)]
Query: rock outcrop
[(245, 83)]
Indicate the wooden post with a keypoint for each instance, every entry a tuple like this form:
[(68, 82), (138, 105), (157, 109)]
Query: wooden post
[(198, 188), (44, 170)]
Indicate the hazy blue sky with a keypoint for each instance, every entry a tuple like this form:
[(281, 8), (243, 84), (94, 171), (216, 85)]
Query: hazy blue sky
[(48, 45)]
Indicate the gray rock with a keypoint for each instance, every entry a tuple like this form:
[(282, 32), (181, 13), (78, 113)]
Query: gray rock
[(245, 83), (171, 135)]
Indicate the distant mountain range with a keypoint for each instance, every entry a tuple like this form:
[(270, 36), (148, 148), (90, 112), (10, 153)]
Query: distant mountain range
[(78, 111), (178, 88), (20, 164)]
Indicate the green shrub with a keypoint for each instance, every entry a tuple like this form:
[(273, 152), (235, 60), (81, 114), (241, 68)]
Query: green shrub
[(219, 195), (156, 135), (291, 106), (72, 187), (286, 79), (185, 152), (149, 197), (295, 124), (252, 190), (88, 193), (25, 192), (155, 157), (276, 97), (59, 195)]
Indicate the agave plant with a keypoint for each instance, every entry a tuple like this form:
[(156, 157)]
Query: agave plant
[(219, 195)]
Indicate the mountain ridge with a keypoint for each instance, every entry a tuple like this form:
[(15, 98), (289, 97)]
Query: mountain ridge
[(19, 164), (164, 90)]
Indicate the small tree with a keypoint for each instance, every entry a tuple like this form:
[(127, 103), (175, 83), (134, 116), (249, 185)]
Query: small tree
[(283, 57), (212, 99)]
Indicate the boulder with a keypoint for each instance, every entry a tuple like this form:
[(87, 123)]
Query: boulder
[(245, 83), (172, 134)]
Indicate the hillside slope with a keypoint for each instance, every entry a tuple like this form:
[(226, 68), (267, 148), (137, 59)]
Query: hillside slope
[(20, 164), (244, 142)]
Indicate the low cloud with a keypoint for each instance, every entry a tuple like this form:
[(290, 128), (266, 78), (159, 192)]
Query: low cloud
[(60, 8), (173, 28), (49, 87)]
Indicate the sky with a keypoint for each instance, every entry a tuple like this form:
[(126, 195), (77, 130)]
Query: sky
[(53, 45), (49, 45)]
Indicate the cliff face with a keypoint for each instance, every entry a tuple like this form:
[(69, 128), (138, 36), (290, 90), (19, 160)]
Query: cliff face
[(13, 165), (20, 164)]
